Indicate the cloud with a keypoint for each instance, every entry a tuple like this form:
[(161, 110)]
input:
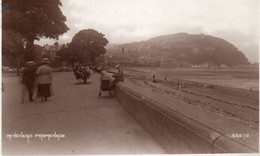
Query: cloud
[(128, 21)]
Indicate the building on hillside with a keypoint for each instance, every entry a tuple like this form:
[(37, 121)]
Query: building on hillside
[(223, 66), (51, 50), (200, 65), (167, 62), (207, 64), (153, 61)]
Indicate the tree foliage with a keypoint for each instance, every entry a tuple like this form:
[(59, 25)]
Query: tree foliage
[(64, 54), (12, 48), (34, 19), (87, 45)]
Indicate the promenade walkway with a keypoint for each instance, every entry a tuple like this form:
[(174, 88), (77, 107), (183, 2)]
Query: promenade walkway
[(90, 125)]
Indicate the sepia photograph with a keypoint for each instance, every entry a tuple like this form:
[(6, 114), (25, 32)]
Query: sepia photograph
[(130, 77)]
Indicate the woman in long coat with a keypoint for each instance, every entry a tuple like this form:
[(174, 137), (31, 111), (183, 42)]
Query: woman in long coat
[(44, 74)]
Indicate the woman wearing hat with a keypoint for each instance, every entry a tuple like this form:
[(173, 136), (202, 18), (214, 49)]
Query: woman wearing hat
[(44, 75), (119, 76)]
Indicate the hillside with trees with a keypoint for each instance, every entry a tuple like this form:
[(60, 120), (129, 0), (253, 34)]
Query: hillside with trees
[(181, 48)]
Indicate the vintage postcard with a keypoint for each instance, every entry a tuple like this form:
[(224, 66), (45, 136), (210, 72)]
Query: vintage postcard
[(120, 77)]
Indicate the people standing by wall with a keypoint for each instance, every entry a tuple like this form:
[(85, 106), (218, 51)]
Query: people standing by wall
[(44, 80)]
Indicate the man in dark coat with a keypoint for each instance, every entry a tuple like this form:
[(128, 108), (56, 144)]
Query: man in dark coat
[(29, 78)]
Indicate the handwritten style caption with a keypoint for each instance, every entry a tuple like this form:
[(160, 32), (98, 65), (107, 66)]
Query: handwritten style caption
[(30, 136)]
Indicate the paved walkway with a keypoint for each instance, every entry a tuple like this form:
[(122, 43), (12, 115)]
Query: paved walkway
[(90, 125)]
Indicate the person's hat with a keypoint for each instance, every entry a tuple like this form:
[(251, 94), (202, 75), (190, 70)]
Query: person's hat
[(30, 63), (45, 60), (117, 66)]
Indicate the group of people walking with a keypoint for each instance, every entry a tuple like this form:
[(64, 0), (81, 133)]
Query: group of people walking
[(40, 77)]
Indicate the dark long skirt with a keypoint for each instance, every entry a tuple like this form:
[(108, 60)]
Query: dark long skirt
[(44, 90)]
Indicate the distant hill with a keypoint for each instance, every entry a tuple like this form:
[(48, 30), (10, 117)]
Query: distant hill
[(190, 48)]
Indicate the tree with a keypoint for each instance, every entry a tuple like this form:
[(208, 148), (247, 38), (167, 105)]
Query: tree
[(87, 45), (12, 46), (12, 49), (34, 19), (65, 54)]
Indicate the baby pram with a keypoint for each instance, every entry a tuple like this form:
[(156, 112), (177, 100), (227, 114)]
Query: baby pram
[(106, 83)]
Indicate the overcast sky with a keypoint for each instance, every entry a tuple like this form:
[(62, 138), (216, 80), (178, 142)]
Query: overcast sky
[(123, 21)]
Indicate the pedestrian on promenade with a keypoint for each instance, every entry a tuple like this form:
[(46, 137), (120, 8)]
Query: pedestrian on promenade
[(119, 76), (28, 79), (85, 73), (77, 73), (44, 80), (108, 80)]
